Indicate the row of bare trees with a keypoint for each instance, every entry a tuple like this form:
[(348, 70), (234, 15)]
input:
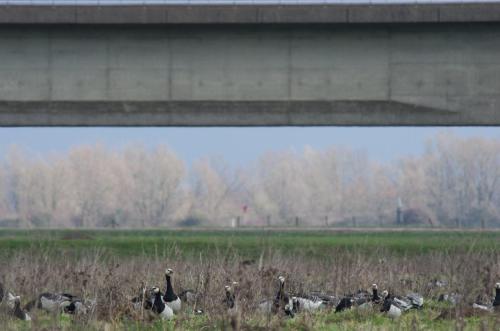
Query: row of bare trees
[(455, 181)]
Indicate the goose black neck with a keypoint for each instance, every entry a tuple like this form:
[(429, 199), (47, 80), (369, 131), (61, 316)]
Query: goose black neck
[(281, 291), (1, 292), (375, 296), (18, 311), (169, 294), (497, 297), (387, 304), (230, 299), (158, 305)]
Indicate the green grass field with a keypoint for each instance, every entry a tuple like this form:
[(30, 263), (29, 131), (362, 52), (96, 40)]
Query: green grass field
[(245, 243), (92, 261)]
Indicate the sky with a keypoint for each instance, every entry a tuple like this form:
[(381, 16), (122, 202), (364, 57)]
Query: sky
[(238, 146)]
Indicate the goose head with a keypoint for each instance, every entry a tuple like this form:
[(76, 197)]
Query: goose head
[(497, 286), (281, 279), (169, 272), (155, 290), (227, 288), (374, 287), (385, 293)]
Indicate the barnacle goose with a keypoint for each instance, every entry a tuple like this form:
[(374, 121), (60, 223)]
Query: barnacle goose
[(496, 301), (313, 301), (159, 306), (229, 299), (360, 298), (452, 298), (170, 298), (78, 306), (189, 296), (18, 312), (51, 302), (411, 300), (375, 297), (143, 300), (344, 304), (279, 302), (495, 304), (389, 306), (10, 300), (367, 302)]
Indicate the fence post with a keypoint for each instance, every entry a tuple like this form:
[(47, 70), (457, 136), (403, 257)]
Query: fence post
[(296, 221), (269, 220), (326, 220), (238, 218)]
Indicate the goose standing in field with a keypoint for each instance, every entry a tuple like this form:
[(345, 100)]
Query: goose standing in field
[(279, 302), (389, 307), (495, 303), (18, 312), (10, 300), (282, 298), (375, 297), (229, 299), (159, 306), (367, 302), (170, 298)]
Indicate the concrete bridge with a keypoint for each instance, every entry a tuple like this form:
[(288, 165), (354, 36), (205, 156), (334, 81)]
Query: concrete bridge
[(431, 64)]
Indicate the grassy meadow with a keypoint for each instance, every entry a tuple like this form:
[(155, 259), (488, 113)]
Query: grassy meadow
[(110, 266)]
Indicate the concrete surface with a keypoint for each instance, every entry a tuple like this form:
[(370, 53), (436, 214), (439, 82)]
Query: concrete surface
[(251, 74), (244, 14)]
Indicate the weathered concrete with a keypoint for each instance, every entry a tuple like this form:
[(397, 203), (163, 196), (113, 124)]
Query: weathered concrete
[(244, 14), (377, 73)]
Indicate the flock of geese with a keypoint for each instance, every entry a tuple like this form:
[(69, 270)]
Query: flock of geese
[(166, 305)]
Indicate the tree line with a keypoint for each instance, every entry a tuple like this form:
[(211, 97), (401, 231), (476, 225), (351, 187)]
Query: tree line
[(455, 181)]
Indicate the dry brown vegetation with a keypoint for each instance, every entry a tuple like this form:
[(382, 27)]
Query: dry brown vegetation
[(114, 281)]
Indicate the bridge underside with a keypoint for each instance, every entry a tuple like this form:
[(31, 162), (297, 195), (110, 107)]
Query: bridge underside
[(227, 113), (441, 73)]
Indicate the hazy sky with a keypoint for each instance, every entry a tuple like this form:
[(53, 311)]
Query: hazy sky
[(236, 145)]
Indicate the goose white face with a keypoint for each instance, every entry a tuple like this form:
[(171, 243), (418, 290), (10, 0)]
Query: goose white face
[(169, 271), (235, 284), (281, 279), (385, 294), (155, 290), (497, 285), (374, 286), (227, 288)]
